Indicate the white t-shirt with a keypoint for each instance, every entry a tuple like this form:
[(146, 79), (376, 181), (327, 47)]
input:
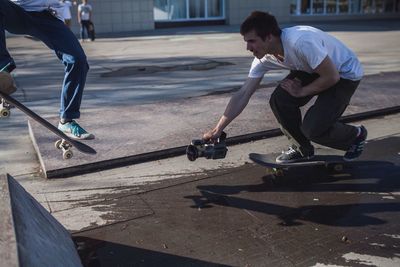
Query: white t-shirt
[(85, 10), (37, 5), (66, 11), (304, 49), (40, 5)]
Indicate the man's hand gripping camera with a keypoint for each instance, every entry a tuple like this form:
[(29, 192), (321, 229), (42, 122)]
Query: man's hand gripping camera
[(208, 149)]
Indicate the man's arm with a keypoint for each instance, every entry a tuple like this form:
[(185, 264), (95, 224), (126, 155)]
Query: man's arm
[(90, 13), (79, 14), (236, 105), (328, 76)]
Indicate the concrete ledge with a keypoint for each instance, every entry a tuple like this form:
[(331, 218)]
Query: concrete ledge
[(29, 234)]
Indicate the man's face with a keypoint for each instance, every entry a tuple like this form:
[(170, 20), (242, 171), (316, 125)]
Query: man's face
[(255, 44)]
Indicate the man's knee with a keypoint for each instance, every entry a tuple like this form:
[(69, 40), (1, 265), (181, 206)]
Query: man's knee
[(79, 60), (272, 101), (277, 97)]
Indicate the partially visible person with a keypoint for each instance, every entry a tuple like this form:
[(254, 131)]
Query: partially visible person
[(66, 12), (41, 19), (85, 20)]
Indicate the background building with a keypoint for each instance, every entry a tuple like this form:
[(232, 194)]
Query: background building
[(137, 15)]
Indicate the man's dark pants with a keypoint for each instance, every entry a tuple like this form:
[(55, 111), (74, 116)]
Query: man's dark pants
[(320, 123)]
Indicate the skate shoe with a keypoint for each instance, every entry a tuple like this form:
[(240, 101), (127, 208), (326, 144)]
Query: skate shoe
[(75, 131), (293, 155), (357, 147)]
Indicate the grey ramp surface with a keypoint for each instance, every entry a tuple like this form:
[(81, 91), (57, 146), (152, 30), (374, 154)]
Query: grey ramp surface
[(34, 236)]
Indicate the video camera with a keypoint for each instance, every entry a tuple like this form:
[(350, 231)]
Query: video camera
[(208, 149)]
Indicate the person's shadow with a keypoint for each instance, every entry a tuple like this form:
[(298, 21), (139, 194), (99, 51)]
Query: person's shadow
[(365, 176)]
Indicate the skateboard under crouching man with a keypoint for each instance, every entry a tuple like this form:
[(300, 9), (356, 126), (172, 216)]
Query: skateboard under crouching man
[(333, 163), (65, 143)]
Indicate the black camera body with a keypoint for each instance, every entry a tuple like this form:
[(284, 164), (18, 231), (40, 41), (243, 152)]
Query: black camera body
[(208, 149)]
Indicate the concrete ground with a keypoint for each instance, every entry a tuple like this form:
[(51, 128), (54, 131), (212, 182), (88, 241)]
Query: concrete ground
[(232, 212), (243, 217), (206, 213)]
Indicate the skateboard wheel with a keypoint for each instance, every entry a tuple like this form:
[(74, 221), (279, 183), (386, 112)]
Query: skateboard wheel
[(57, 144), (278, 172), (67, 154), (338, 167), (5, 112)]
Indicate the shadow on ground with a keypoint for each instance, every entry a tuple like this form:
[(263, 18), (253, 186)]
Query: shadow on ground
[(98, 253), (363, 177)]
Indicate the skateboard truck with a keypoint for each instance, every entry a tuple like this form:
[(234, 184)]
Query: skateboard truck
[(208, 149), (4, 108), (65, 147)]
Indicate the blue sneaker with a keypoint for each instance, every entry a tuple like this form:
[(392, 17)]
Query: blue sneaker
[(357, 147), (9, 67), (75, 131)]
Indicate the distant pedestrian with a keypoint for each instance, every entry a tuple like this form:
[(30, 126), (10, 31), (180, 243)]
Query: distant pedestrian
[(85, 20), (66, 12)]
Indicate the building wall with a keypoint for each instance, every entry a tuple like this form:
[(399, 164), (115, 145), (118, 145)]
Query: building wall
[(238, 10), (110, 16)]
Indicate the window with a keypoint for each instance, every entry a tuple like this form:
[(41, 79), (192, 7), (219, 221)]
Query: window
[(355, 6), (182, 10), (368, 7), (389, 6), (379, 6), (169, 9), (293, 7), (305, 6), (215, 8), (330, 6), (322, 7), (318, 7), (196, 9), (343, 6)]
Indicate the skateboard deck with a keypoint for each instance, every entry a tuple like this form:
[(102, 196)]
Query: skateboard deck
[(64, 144), (333, 162)]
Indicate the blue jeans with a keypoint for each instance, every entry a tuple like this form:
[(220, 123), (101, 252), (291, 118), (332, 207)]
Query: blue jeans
[(58, 37), (85, 25)]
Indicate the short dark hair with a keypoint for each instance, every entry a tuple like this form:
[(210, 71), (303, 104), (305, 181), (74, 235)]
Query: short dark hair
[(262, 22)]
